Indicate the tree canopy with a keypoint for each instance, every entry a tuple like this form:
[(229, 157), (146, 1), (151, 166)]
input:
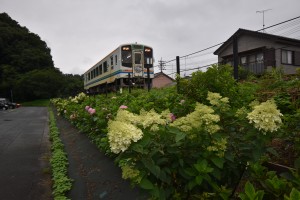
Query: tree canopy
[(27, 68)]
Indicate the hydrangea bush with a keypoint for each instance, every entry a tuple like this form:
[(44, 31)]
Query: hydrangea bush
[(175, 146)]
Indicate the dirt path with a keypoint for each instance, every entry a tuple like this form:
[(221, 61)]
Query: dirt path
[(95, 175)]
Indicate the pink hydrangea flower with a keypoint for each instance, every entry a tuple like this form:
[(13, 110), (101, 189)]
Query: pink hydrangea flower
[(92, 111), (123, 107), (173, 117), (87, 108)]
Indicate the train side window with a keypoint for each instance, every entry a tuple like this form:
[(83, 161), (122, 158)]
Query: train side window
[(105, 67), (97, 71), (89, 75), (116, 59), (112, 62), (100, 69)]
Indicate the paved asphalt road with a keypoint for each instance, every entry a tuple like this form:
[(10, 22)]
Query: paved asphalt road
[(24, 154)]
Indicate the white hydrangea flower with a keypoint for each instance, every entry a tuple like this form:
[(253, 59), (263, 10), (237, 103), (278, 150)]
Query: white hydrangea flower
[(202, 116), (265, 116), (121, 135)]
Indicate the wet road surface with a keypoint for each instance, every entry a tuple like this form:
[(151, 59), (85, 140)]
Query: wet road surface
[(24, 154)]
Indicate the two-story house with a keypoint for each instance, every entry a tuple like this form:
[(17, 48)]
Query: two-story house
[(258, 52)]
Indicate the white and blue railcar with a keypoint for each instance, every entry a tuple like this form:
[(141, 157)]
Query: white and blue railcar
[(129, 64)]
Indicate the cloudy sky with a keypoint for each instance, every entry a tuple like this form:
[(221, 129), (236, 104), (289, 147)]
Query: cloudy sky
[(81, 32)]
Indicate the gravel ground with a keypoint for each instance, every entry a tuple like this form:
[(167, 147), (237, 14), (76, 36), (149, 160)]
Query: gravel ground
[(95, 175)]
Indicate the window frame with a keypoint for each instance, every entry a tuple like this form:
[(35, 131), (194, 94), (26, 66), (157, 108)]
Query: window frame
[(286, 62)]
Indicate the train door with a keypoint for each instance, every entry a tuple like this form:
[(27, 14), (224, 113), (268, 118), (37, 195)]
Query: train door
[(138, 70)]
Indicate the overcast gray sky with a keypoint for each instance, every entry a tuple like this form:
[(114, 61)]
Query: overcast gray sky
[(81, 32)]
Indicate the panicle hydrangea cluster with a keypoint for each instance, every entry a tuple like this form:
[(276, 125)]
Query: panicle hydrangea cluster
[(241, 112), (151, 118), (121, 134), (61, 105), (216, 99), (218, 146), (202, 117), (129, 172), (124, 129), (79, 98), (166, 116), (128, 117), (265, 117), (73, 116)]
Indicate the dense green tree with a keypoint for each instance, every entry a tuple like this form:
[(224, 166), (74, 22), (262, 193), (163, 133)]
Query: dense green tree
[(39, 84), (73, 84), (26, 66)]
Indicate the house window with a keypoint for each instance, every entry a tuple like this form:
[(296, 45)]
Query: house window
[(260, 57), (243, 60), (286, 57)]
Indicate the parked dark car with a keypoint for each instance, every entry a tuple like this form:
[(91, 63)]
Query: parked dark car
[(3, 106), (8, 104)]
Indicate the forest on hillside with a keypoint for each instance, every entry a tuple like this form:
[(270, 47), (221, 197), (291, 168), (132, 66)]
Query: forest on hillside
[(27, 71)]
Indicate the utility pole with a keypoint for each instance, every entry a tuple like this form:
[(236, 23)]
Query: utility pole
[(178, 73), (235, 57), (161, 65), (263, 12)]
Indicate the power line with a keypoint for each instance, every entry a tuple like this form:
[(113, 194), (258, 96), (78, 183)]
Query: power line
[(264, 28), (280, 23), (196, 52)]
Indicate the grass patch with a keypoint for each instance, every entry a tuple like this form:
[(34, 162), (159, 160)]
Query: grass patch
[(38, 103)]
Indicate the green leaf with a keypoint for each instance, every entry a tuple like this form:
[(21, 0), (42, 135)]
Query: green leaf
[(189, 172), (191, 185), (145, 140), (219, 162), (137, 148), (297, 163), (295, 194), (199, 179), (179, 136), (202, 167), (249, 190), (149, 164), (272, 151), (146, 184)]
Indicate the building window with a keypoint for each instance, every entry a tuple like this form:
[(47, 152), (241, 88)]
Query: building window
[(286, 57), (244, 60)]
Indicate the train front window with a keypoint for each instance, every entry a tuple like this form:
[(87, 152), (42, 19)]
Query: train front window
[(126, 56), (137, 58), (148, 57)]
